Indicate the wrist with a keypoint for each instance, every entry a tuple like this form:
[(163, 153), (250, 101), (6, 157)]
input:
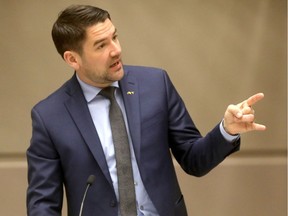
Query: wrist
[(226, 131)]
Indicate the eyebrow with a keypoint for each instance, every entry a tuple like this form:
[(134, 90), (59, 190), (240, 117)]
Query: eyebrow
[(103, 39)]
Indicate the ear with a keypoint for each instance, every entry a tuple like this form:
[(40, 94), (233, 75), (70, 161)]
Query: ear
[(72, 59)]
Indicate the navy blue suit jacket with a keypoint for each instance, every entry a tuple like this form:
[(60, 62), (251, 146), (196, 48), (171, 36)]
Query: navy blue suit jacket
[(65, 148)]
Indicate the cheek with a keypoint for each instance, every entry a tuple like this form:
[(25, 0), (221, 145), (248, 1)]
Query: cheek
[(99, 61), (92, 63), (96, 63)]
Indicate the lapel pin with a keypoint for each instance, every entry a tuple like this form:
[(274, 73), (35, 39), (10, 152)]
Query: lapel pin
[(130, 92)]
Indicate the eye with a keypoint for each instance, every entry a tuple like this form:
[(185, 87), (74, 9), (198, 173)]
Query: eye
[(115, 37), (101, 46)]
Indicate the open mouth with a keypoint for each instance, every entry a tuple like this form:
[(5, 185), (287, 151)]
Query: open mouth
[(115, 64)]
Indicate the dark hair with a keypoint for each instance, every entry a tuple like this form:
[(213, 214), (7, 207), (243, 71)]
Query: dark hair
[(69, 30)]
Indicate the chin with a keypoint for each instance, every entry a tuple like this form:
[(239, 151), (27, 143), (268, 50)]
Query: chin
[(119, 74)]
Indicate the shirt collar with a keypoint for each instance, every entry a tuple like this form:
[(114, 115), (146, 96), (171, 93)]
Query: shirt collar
[(89, 91)]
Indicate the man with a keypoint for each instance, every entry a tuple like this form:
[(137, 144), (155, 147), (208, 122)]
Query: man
[(72, 137)]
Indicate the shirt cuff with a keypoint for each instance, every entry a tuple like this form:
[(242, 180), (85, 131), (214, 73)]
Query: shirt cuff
[(227, 136)]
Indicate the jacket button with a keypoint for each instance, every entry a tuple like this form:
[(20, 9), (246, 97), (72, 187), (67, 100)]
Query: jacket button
[(112, 203)]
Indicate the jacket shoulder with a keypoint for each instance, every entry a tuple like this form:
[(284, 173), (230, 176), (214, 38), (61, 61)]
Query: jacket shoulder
[(145, 73), (132, 68), (60, 94)]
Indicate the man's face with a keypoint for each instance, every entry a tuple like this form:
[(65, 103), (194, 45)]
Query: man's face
[(100, 62)]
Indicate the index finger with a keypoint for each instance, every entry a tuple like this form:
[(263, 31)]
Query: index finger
[(254, 99)]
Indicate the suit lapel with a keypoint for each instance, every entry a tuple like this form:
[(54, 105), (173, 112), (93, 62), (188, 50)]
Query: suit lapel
[(78, 109), (130, 92)]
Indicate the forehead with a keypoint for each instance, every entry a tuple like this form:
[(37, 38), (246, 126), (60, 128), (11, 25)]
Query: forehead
[(100, 30)]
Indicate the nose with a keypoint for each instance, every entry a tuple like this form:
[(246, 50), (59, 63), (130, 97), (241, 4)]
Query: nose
[(116, 49)]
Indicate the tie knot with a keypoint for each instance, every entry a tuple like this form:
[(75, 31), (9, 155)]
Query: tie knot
[(108, 92)]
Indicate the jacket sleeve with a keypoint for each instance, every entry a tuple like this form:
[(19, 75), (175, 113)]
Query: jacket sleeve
[(197, 155), (45, 190)]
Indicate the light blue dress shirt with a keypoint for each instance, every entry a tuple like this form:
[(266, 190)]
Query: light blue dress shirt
[(99, 110)]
